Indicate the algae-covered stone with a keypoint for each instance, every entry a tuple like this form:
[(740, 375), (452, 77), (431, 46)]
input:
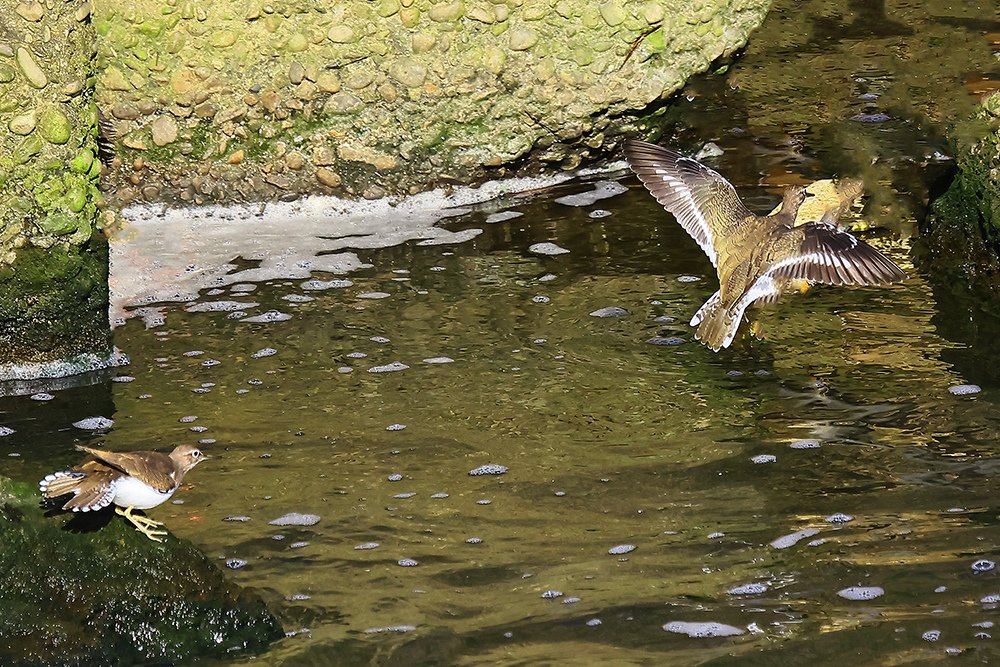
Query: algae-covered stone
[(341, 34), (164, 130), (7, 73), (81, 162), (30, 69), (224, 39), (58, 224), (106, 595), (446, 11), (22, 124), (54, 126), (522, 38), (297, 42), (408, 72)]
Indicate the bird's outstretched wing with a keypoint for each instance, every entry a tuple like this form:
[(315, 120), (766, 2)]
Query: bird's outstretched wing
[(820, 252), (705, 204)]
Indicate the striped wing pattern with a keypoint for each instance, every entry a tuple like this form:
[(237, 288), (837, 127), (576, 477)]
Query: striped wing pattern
[(704, 203), (822, 253)]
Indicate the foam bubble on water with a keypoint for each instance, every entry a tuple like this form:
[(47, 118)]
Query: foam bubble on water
[(602, 190), (395, 427), (267, 318), (356, 355), (295, 519), (965, 389), (703, 630), (5, 431), (41, 396), (552, 594), (715, 536), (622, 549), (839, 517), (489, 469), (404, 496), (438, 360), (393, 367), (593, 622), (298, 298), (763, 458), (502, 216), (748, 589), (609, 311), (394, 477), (187, 419), (367, 546), (983, 565), (473, 540), (94, 423), (264, 352), (407, 562), (688, 279), (992, 598), (548, 277), (379, 339), (546, 249), (374, 295), (194, 353), (235, 563), (540, 298), (220, 306), (438, 496), (444, 237), (790, 540), (808, 443), (391, 628), (123, 379), (60, 368), (598, 213), (861, 593), (343, 370), (318, 285), (667, 341), (931, 636)]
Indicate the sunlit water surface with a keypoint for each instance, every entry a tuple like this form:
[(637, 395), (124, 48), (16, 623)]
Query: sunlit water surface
[(822, 491)]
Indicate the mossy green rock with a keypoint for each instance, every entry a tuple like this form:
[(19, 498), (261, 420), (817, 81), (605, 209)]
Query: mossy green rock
[(54, 126), (106, 595)]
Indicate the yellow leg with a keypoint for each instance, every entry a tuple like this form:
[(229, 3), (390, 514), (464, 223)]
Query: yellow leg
[(143, 524)]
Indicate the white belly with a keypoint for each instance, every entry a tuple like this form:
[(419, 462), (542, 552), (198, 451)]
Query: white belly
[(130, 492)]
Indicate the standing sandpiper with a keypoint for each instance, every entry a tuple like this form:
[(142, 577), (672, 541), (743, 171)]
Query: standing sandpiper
[(758, 257), (130, 480)]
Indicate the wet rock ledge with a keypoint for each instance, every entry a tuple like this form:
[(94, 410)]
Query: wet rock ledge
[(53, 260), (270, 100), (113, 597)]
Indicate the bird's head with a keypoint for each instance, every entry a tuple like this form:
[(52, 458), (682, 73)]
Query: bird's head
[(187, 456)]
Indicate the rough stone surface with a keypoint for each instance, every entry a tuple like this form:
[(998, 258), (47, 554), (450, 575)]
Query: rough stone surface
[(407, 93), (106, 595), (53, 258)]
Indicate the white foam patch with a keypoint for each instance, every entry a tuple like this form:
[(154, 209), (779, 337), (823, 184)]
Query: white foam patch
[(602, 190), (790, 540), (171, 254), (28, 378), (861, 593), (701, 630)]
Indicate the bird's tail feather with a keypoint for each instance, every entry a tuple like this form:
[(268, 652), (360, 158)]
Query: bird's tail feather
[(717, 326)]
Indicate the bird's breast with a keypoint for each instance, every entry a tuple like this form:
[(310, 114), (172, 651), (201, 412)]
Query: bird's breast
[(130, 492)]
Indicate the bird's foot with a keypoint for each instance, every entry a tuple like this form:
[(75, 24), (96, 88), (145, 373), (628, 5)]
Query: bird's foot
[(143, 524)]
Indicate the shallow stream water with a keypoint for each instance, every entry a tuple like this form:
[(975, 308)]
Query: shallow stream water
[(823, 491)]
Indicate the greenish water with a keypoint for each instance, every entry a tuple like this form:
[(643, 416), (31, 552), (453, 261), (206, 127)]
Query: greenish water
[(608, 440)]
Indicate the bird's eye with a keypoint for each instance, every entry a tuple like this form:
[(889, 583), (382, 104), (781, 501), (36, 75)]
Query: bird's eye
[(196, 454)]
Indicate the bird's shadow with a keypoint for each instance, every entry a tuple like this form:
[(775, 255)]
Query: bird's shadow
[(82, 522)]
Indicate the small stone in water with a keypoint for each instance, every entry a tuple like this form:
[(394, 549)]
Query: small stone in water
[(965, 389), (94, 423), (701, 630), (552, 594), (295, 519), (609, 311), (621, 549), (764, 458), (546, 249), (489, 469), (858, 593), (983, 565)]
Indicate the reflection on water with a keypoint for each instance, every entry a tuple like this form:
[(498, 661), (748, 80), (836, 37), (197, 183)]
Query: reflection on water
[(755, 485)]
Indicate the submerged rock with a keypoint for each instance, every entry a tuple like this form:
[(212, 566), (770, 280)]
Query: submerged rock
[(105, 595)]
